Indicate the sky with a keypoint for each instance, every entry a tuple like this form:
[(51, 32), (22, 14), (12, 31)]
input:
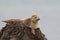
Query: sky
[(47, 10)]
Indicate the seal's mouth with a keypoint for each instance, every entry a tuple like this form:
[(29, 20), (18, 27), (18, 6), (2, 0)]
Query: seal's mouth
[(38, 19)]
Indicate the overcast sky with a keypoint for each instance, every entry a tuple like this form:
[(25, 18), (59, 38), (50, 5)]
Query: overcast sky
[(47, 10)]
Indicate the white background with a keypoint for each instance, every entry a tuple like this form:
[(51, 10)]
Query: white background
[(47, 10)]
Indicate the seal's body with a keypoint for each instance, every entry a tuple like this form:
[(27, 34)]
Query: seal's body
[(31, 22)]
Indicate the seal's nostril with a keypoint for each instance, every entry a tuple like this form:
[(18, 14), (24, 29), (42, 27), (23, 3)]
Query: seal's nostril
[(38, 18)]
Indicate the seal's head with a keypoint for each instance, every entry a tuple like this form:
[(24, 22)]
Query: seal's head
[(35, 18)]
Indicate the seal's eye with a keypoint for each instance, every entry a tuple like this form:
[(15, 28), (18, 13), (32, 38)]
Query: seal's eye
[(35, 17)]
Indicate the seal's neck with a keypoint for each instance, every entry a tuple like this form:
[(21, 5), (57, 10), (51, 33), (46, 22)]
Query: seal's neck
[(34, 25)]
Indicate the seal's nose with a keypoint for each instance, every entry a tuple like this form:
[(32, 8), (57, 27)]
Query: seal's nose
[(38, 18)]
